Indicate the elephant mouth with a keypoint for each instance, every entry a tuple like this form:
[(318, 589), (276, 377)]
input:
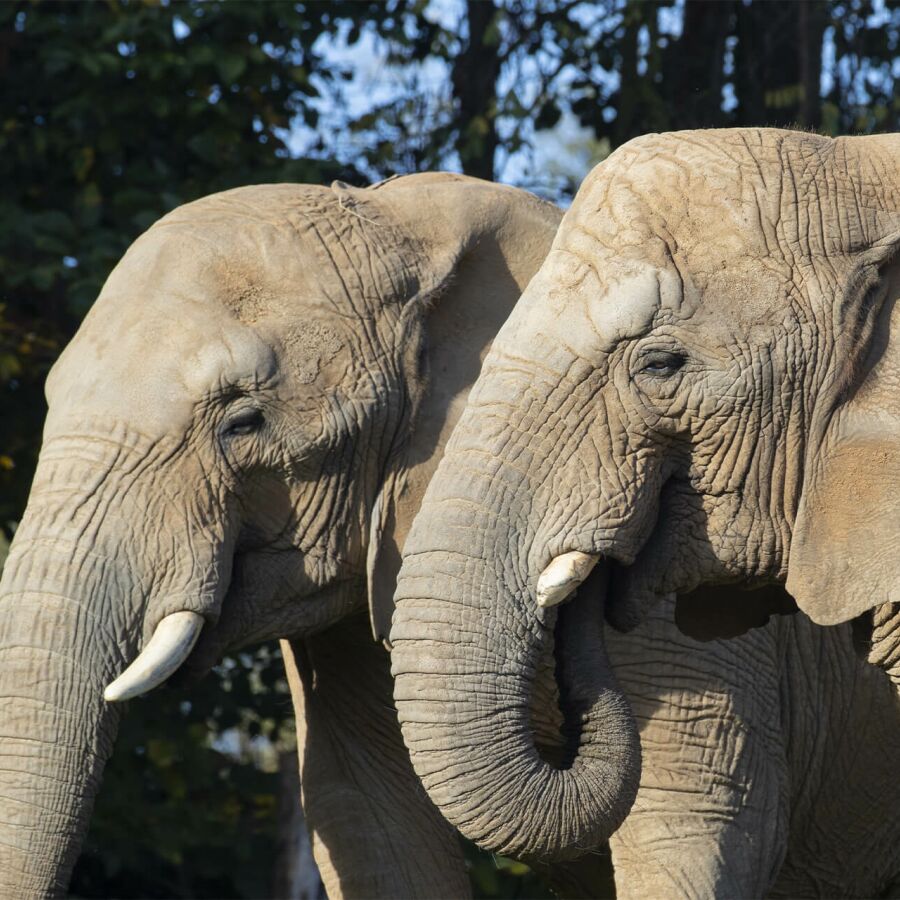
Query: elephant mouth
[(249, 619), (602, 576), (557, 708), (186, 645)]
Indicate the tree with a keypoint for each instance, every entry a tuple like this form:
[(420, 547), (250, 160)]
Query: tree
[(511, 68)]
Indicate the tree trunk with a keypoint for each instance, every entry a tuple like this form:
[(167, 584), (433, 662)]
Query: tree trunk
[(474, 79), (778, 63), (693, 66)]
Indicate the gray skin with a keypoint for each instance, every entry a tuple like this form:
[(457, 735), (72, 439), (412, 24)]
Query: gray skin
[(699, 387), (242, 428), (769, 763)]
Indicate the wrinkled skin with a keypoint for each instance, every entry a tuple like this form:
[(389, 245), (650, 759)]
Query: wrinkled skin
[(242, 429), (699, 387), (769, 764)]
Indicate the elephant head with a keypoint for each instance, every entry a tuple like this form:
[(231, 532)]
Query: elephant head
[(233, 439), (699, 387)]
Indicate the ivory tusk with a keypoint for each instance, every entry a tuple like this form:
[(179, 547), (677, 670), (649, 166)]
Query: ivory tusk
[(169, 647), (564, 574)]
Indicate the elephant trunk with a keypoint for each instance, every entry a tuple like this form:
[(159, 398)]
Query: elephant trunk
[(468, 642), (83, 588), (884, 640), (56, 657)]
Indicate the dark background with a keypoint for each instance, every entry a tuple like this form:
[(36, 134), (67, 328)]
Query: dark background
[(112, 112)]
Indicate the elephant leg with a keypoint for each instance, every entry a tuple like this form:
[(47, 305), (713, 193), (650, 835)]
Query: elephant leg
[(711, 816), (374, 831)]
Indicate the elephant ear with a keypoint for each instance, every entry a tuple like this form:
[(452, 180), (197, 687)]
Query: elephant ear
[(844, 555), (477, 246)]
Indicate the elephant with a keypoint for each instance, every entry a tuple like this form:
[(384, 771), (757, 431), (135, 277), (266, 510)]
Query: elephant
[(236, 440), (692, 412)]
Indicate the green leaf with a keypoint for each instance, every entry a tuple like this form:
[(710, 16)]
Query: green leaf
[(231, 67)]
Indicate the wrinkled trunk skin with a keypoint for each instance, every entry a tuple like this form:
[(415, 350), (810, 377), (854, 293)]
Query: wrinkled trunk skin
[(72, 603), (467, 643), (884, 640), (57, 654), (96, 562)]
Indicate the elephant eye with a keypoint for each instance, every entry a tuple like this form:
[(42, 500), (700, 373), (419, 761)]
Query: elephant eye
[(661, 363), (247, 421)]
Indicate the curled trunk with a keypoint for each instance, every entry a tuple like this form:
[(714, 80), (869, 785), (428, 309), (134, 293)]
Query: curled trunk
[(884, 639), (468, 644)]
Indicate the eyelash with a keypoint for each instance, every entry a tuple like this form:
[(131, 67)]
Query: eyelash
[(666, 363), (247, 422)]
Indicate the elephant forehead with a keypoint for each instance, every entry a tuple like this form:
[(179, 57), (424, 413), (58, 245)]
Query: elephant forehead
[(154, 372), (207, 298), (700, 230), (751, 193), (155, 343), (573, 308), (265, 249), (247, 268)]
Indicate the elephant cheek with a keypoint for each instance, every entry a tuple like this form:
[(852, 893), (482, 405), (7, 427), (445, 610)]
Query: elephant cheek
[(272, 596)]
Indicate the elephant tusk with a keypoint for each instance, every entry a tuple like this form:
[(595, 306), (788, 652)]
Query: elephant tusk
[(169, 647), (564, 574)]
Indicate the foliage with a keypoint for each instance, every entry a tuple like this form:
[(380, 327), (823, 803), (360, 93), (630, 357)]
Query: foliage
[(497, 876), (113, 112), (472, 90)]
